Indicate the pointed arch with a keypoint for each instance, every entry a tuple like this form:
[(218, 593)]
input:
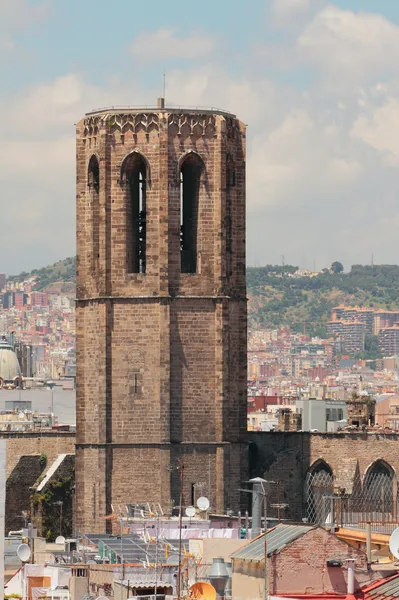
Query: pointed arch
[(380, 490), (379, 467), (191, 170), (230, 184), (93, 184), (134, 178), (320, 465), (319, 486), (133, 156)]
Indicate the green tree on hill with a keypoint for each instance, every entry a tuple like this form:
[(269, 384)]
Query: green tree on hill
[(337, 267)]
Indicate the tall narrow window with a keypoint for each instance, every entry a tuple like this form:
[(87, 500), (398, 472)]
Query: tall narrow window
[(190, 177), (230, 183), (134, 177), (93, 182)]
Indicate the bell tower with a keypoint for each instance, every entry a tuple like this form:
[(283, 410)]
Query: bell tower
[(161, 309)]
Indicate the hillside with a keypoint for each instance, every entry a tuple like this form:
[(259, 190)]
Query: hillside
[(277, 298), (61, 274)]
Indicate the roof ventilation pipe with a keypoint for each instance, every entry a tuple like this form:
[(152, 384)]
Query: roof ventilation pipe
[(219, 576), (258, 498), (351, 579)]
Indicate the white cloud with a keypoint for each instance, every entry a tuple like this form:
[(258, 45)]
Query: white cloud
[(322, 157), (164, 44), (351, 46), (378, 126)]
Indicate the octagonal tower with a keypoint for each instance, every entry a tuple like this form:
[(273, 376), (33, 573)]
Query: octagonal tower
[(161, 309)]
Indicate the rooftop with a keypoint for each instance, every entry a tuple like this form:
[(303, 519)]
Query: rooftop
[(276, 539), (383, 590), (200, 110)]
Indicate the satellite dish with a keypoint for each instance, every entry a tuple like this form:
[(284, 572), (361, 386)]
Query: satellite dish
[(102, 598), (190, 511), (60, 540), (394, 543), (203, 503), (23, 552)]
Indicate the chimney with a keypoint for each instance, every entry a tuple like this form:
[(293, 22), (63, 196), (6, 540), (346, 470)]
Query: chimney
[(161, 103), (257, 504)]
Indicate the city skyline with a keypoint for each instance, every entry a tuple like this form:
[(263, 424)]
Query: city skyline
[(321, 106)]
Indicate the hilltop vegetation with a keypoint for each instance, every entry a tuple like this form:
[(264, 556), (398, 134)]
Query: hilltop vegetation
[(62, 273), (277, 297)]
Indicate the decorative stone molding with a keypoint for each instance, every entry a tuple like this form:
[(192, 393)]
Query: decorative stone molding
[(185, 124), (122, 122)]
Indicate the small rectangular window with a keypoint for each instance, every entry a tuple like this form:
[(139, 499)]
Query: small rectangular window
[(136, 384)]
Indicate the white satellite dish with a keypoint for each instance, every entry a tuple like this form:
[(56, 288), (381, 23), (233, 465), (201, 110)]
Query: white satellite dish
[(203, 503), (60, 540), (394, 543), (190, 511), (23, 553)]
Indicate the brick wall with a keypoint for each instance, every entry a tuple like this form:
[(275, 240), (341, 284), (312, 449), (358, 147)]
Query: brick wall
[(301, 568)]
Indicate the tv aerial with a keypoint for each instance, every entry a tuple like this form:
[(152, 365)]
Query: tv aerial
[(190, 511), (394, 543), (203, 503), (23, 553)]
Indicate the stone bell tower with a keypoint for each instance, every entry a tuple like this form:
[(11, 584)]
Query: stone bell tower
[(161, 309)]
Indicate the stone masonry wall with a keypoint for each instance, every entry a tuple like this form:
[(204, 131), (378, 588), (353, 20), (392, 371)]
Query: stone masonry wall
[(288, 456), (23, 467)]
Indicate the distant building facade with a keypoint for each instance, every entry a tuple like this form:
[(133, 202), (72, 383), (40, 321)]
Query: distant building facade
[(352, 334)]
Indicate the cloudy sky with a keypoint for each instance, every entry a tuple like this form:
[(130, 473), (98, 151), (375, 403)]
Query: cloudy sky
[(317, 83)]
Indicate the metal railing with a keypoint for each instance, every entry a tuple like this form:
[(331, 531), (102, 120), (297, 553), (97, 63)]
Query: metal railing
[(152, 108), (373, 500)]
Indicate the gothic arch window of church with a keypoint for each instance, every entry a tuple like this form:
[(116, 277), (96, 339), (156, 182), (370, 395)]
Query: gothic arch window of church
[(230, 183), (319, 485), (93, 183), (134, 178), (191, 170), (380, 489)]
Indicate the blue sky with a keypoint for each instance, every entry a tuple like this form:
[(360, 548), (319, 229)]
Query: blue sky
[(317, 83)]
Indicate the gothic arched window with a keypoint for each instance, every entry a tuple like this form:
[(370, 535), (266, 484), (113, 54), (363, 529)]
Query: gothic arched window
[(190, 178), (134, 177), (93, 183), (230, 183)]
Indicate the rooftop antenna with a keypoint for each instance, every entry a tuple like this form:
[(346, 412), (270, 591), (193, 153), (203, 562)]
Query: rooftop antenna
[(164, 87), (372, 260)]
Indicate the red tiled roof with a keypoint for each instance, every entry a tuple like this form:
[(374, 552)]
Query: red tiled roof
[(384, 589)]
